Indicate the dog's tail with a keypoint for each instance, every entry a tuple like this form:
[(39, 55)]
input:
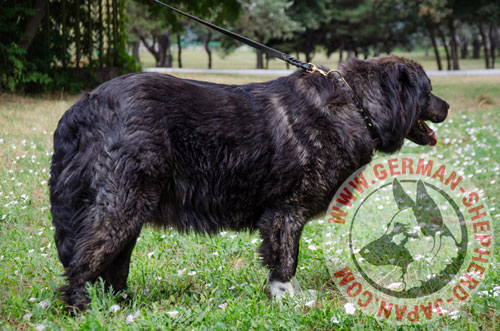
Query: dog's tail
[(70, 193)]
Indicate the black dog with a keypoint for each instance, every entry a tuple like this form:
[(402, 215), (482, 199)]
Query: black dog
[(196, 155)]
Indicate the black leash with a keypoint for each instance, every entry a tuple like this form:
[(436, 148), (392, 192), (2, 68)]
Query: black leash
[(309, 67), (263, 48)]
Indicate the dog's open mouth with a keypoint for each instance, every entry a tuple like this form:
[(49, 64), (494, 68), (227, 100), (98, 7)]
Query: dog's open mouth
[(429, 131), (422, 134)]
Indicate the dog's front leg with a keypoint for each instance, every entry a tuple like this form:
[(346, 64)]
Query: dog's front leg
[(280, 230)]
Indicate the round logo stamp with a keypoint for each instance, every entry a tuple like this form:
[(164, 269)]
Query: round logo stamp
[(408, 239)]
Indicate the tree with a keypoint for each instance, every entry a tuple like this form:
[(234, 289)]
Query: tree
[(432, 13), (313, 16), (147, 28), (487, 16), (263, 20), (155, 25), (61, 44)]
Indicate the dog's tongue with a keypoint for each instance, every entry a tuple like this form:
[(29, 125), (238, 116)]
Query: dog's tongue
[(431, 133), (433, 139)]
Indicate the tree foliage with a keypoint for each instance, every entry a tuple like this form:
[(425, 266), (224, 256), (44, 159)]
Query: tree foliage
[(154, 24), (62, 44)]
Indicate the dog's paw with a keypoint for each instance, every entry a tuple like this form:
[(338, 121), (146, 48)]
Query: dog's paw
[(279, 289), (292, 292)]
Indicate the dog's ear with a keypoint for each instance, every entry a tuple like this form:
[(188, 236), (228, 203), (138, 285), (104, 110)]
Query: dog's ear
[(400, 96), (403, 200)]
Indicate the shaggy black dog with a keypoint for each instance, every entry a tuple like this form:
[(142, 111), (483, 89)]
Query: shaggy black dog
[(195, 155)]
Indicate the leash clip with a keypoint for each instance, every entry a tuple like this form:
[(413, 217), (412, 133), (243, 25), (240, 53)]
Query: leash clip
[(316, 69)]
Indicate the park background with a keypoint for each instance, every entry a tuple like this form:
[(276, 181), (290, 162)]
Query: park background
[(53, 50)]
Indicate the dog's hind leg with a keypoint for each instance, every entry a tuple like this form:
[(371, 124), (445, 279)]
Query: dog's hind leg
[(107, 236), (280, 232), (116, 273)]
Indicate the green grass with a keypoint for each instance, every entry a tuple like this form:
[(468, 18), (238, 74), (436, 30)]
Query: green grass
[(212, 282), (245, 58)]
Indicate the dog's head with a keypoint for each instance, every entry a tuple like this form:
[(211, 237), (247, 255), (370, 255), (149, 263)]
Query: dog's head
[(397, 94)]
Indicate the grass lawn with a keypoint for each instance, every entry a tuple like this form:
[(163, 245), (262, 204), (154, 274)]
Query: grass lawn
[(199, 282), (245, 58)]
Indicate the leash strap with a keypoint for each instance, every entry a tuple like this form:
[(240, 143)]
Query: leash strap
[(263, 48)]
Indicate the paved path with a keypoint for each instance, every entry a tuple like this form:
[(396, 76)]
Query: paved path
[(270, 72)]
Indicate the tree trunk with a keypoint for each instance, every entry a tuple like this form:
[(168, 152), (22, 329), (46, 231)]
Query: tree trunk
[(115, 29), (387, 46), (454, 45), (108, 26), (163, 41), (47, 30), (207, 48), (308, 56), (135, 50), (432, 36), (476, 47), (497, 40), (260, 61), (33, 24), (65, 38), (168, 50), (101, 37), (77, 32), (179, 51), (464, 49), (446, 50), (376, 50), (151, 47), (89, 30), (492, 46), (486, 46)]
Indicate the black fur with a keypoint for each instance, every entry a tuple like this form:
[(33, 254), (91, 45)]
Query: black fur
[(196, 155)]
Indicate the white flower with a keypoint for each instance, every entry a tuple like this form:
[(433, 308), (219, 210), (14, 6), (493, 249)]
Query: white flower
[(312, 247), (349, 308), (40, 327), (394, 285), (215, 254), (223, 305), (310, 303), (43, 304), (334, 319), (27, 316), (114, 308), (32, 299), (181, 272), (454, 314), (150, 254), (130, 318), (173, 313), (191, 273)]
